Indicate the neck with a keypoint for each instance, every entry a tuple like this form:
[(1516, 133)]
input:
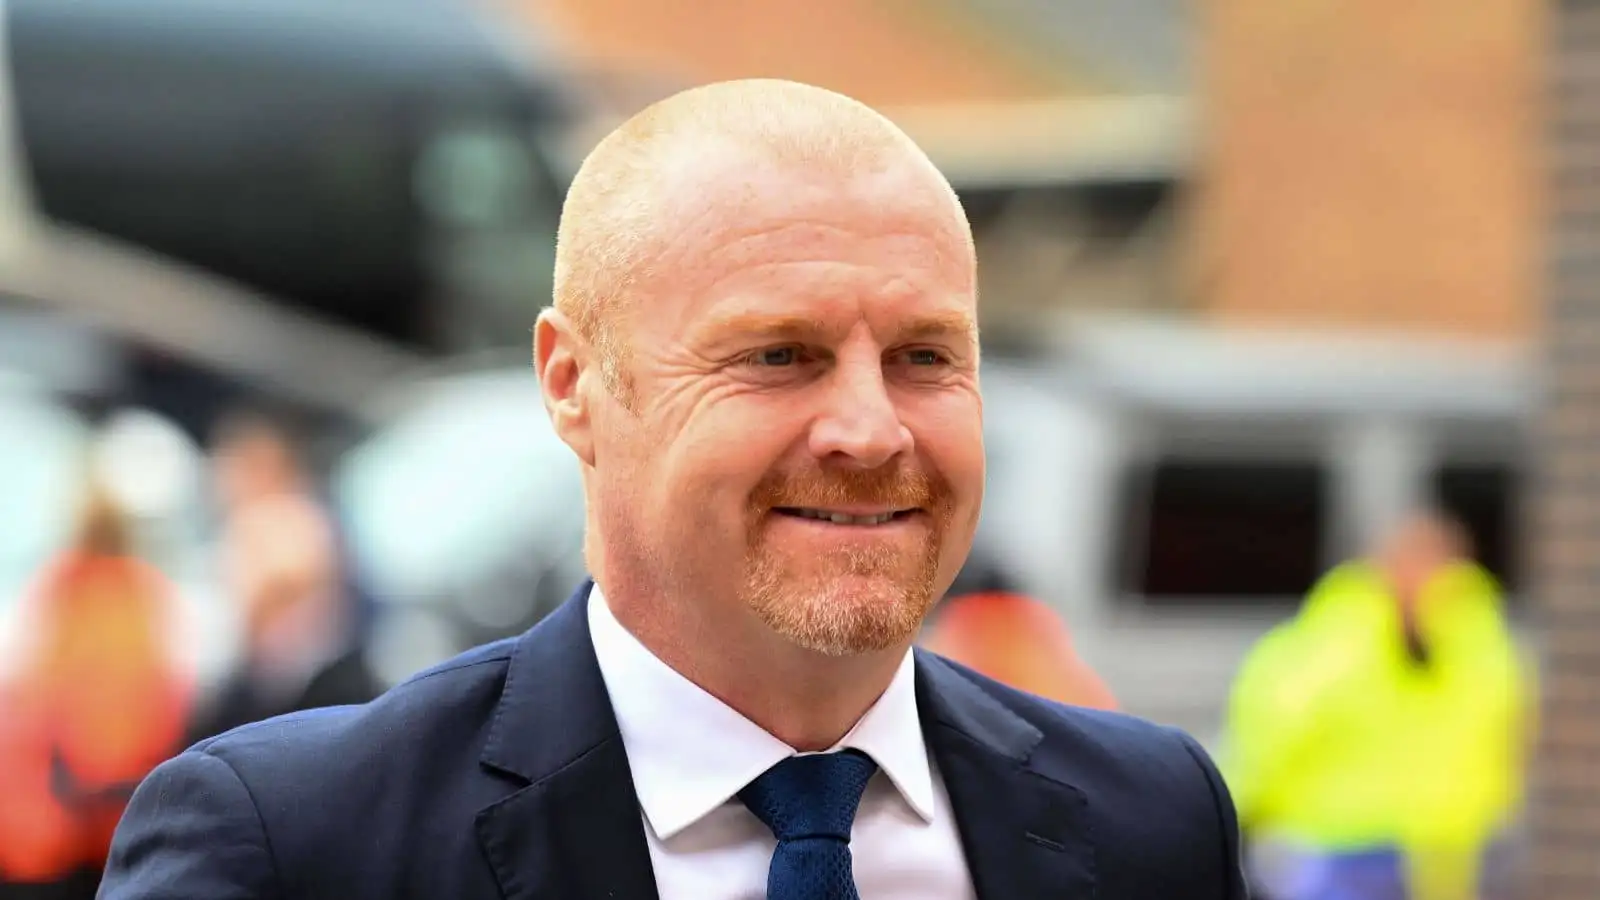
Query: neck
[(806, 699)]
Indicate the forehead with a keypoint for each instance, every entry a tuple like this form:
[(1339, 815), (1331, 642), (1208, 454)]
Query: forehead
[(883, 244)]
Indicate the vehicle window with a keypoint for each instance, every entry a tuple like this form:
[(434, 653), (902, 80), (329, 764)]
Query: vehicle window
[(1209, 532), (1483, 496)]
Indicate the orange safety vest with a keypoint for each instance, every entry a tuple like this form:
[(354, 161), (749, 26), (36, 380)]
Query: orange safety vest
[(92, 710)]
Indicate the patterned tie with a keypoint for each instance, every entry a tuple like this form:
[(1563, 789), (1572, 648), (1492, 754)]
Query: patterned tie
[(809, 802)]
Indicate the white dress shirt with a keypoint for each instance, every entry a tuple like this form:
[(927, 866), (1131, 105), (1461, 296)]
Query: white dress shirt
[(691, 754)]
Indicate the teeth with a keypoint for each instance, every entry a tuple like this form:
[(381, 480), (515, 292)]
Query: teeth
[(844, 519)]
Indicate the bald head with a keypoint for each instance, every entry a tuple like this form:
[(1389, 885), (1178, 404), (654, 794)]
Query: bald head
[(766, 308), (652, 176)]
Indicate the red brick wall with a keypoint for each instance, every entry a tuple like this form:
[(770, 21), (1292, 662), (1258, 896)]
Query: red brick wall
[(1369, 163)]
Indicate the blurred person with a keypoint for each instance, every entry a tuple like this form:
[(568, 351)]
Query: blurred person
[(763, 352), (259, 458), (96, 700), (282, 564), (994, 629), (1378, 737)]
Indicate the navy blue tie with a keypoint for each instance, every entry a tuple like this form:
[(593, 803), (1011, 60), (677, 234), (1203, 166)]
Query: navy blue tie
[(810, 802)]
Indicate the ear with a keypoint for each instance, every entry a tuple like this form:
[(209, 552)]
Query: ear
[(561, 359)]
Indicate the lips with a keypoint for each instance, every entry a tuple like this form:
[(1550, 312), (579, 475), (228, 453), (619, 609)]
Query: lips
[(843, 518), (855, 498)]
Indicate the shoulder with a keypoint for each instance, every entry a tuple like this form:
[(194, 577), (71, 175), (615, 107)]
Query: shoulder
[(306, 771), (268, 807), (1146, 784), (1098, 741), (436, 712), (1159, 816)]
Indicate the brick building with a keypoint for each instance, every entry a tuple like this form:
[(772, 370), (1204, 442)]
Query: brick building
[(1368, 164)]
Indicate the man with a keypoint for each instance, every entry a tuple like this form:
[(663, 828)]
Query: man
[(300, 649), (763, 351), (1376, 739)]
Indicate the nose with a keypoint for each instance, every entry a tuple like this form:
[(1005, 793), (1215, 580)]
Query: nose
[(859, 427)]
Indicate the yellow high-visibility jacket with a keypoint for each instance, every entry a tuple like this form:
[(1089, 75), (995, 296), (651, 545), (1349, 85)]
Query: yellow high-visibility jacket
[(1337, 740)]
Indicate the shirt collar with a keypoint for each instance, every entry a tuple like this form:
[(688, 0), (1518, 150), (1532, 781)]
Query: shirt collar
[(680, 775)]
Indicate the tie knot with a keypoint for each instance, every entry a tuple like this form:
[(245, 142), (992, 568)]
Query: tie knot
[(811, 796)]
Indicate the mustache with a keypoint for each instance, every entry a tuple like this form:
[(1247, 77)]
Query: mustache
[(898, 488)]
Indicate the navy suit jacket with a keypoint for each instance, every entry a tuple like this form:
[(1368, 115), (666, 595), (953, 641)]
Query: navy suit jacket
[(501, 774)]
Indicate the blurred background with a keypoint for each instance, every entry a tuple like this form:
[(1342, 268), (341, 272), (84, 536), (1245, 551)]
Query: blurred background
[(1262, 280)]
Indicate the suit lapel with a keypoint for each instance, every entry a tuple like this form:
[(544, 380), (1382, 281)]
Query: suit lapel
[(570, 825), (1025, 833)]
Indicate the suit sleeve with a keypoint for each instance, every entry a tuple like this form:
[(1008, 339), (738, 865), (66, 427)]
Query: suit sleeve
[(191, 831), (1231, 884)]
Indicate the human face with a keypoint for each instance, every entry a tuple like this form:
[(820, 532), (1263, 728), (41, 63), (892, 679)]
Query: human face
[(1415, 555), (801, 448), (252, 467)]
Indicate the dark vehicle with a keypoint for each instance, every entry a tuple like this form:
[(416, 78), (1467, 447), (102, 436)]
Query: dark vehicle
[(385, 163)]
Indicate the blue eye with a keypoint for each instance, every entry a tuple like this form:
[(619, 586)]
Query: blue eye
[(775, 356), (924, 357)]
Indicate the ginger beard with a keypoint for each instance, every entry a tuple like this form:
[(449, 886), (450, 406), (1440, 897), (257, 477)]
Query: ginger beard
[(867, 592)]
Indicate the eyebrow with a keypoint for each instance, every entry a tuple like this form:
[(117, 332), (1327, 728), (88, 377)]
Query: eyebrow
[(942, 325), (933, 326)]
